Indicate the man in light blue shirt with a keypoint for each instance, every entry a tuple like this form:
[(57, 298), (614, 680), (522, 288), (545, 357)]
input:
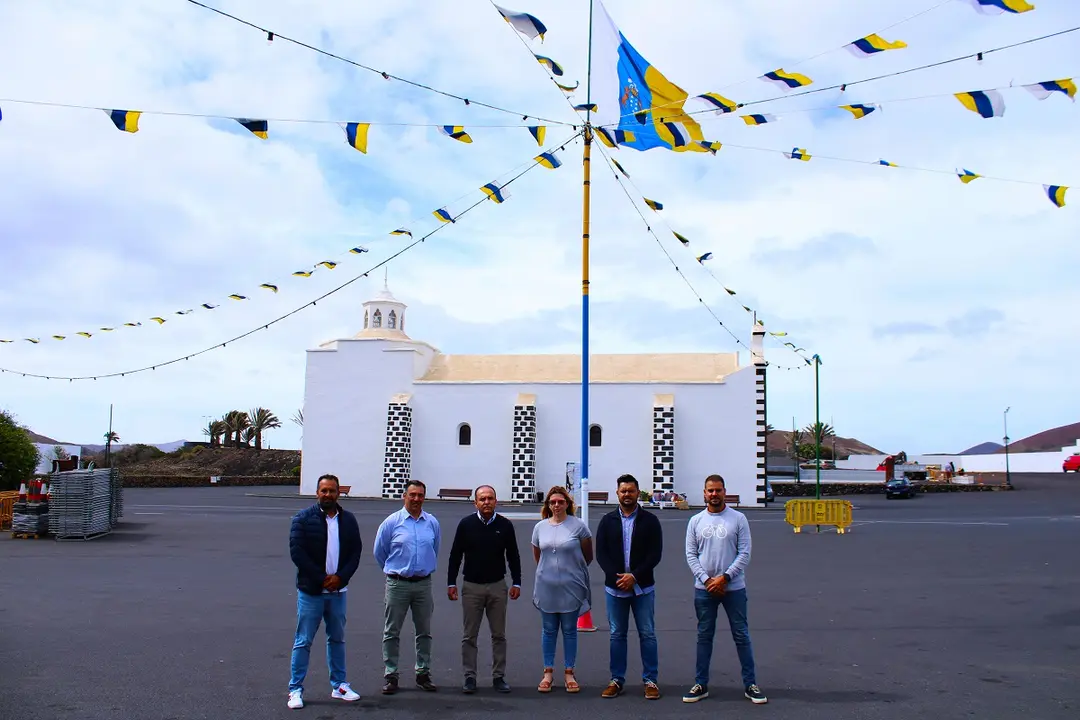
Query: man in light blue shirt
[(407, 549)]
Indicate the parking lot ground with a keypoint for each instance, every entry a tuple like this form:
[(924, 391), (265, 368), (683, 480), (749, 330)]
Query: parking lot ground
[(945, 605)]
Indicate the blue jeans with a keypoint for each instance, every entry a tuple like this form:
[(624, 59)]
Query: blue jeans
[(310, 610), (552, 623), (706, 606), (618, 611)]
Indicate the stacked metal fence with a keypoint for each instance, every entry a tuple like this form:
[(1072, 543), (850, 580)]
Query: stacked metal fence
[(85, 504)]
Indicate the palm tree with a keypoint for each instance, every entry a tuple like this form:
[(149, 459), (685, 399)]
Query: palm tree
[(262, 420), (214, 430), (247, 436), (110, 438), (238, 422), (298, 418), (818, 432)]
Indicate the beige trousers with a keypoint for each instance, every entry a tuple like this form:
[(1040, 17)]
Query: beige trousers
[(476, 600)]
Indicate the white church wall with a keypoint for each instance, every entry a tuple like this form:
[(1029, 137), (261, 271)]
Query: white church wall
[(345, 402)]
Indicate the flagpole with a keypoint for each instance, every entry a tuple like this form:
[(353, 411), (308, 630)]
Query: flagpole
[(586, 198)]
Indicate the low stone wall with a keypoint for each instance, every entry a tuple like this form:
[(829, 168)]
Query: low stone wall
[(809, 489), (176, 481)]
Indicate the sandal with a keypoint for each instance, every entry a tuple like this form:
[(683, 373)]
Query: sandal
[(545, 684), (571, 682)]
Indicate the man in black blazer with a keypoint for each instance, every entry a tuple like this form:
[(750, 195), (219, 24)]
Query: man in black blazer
[(629, 545), (325, 546)]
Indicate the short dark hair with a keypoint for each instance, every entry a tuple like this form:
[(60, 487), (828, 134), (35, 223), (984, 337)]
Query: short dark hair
[(418, 483), (330, 477), (481, 487), (627, 478), (716, 478)]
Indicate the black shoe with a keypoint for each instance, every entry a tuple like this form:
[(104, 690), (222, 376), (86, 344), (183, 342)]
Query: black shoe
[(469, 687), (500, 685), (754, 694), (390, 686), (424, 681), (698, 692)]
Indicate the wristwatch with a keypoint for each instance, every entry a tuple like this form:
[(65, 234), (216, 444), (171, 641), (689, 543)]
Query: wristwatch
[(727, 577)]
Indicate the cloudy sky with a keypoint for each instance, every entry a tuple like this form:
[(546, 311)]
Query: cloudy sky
[(933, 304)]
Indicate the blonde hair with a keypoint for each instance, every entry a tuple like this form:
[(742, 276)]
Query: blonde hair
[(545, 512)]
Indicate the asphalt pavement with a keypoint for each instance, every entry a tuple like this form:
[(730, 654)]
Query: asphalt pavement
[(947, 605)]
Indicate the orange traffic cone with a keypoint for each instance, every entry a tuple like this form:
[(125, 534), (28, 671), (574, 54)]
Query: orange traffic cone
[(585, 623), (22, 493)]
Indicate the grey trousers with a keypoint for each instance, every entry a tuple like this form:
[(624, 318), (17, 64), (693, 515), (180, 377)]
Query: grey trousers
[(476, 600), (401, 598)]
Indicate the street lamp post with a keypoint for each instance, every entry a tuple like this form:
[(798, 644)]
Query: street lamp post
[(817, 424), (1008, 475)]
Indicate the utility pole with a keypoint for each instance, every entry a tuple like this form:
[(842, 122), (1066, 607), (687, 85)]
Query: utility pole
[(817, 423), (1008, 476), (108, 441)]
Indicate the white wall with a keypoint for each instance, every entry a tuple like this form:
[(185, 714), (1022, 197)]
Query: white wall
[(46, 456), (345, 405)]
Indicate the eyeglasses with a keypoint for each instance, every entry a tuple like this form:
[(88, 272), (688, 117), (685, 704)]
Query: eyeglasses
[(553, 501)]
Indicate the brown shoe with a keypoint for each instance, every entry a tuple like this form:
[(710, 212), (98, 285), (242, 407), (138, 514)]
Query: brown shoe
[(652, 692), (614, 689), (423, 680), (390, 686)]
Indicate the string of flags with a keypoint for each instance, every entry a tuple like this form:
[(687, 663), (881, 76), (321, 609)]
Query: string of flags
[(356, 133), (494, 191)]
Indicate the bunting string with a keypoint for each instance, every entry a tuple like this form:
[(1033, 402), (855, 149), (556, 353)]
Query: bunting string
[(494, 191), (271, 36), (657, 207)]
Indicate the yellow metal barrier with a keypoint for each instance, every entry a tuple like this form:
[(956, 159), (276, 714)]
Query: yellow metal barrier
[(7, 508), (805, 511)]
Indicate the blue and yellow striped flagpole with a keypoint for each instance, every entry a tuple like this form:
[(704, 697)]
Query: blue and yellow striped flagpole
[(585, 186)]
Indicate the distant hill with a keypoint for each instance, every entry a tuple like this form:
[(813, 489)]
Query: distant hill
[(986, 448), (1047, 441), (779, 442), (34, 437), (164, 447)]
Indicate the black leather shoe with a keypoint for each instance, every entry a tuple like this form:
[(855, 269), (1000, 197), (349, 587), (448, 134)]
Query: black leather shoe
[(470, 686), (390, 686), (424, 681), (500, 685)]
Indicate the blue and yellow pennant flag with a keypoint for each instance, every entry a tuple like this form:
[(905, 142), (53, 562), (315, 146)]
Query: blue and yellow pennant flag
[(539, 132), (356, 134), (633, 95), (717, 102), (786, 81), (258, 128), (402, 231), (268, 286), (759, 118), (126, 120), (987, 103), (456, 132), (548, 160), (798, 154), (996, 7), (615, 137), (1056, 193), (658, 206), (966, 176), (886, 163), (493, 191), (443, 215), (526, 24), (859, 111), (1044, 90), (555, 68), (872, 45)]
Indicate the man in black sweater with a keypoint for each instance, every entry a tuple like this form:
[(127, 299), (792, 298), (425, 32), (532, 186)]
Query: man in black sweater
[(629, 545), (488, 543)]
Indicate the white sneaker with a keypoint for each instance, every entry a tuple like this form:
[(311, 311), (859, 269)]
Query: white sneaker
[(296, 700), (344, 692)]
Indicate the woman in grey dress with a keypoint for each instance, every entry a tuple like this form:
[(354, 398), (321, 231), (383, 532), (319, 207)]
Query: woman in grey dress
[(562, 548)]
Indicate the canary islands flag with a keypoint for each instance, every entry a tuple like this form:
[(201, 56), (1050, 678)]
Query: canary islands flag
[(633, 96)]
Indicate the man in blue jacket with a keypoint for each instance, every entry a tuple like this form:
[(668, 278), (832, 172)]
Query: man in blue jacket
[(325, 546), (629, 545)]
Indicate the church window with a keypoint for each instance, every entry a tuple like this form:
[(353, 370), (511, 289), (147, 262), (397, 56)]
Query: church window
[(464, 434), (596, 434), (376, 319), (365, 319), (391, 320)]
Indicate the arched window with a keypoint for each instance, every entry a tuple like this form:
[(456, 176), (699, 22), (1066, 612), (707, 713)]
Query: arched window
[(376, 319), (464, 434), (365, 319), (596, 435), (391, 320)]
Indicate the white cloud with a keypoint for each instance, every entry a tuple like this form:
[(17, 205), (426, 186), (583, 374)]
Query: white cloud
[(99, 227)]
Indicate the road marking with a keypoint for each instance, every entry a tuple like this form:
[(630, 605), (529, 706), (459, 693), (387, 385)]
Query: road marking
[(149, 513), (232, 508), (926, 522)]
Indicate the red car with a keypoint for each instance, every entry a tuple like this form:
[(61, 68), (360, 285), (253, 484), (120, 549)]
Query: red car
[(1071, 463)]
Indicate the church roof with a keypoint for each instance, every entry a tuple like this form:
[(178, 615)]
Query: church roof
[(645, 368)]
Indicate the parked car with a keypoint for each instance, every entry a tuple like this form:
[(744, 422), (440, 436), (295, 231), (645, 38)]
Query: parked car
[(1071, 463), (900, 487)]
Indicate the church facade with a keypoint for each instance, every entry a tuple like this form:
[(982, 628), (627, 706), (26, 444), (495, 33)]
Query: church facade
[(381, 407)]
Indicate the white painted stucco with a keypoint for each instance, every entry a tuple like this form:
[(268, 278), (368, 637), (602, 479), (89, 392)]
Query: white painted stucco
[(349, 383)]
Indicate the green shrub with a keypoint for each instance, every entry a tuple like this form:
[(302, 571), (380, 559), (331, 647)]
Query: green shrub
[(18, 455)]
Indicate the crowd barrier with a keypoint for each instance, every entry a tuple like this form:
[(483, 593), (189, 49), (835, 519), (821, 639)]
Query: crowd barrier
[(7, 506), (807, 511)]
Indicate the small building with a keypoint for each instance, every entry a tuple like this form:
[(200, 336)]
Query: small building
[(381, 407), (47, 453)]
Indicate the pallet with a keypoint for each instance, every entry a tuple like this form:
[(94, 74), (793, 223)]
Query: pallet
[(28, 536)]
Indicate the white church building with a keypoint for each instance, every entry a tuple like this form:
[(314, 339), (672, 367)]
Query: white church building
[(381, 407)]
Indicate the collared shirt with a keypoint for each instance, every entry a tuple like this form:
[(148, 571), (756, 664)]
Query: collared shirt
[(627, 534), (408, 546), (333, 547), (486, 522)]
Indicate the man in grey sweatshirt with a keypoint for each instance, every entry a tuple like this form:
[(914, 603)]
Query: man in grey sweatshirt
[(718, 552)]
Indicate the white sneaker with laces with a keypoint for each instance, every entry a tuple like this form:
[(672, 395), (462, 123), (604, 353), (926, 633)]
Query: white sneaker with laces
[(296, 699), (344, 692)]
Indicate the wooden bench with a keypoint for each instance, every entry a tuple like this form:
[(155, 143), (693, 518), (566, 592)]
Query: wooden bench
[(599, 496), (459, 493), (344, 490), (732, 500)]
